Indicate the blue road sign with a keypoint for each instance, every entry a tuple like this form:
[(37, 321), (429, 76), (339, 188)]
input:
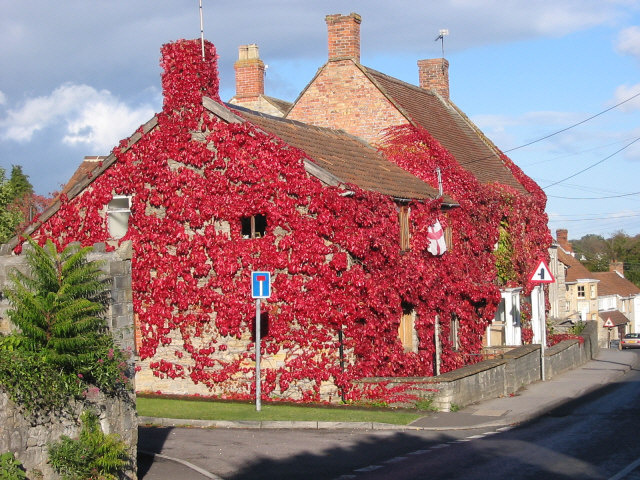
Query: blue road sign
[(260, 284)]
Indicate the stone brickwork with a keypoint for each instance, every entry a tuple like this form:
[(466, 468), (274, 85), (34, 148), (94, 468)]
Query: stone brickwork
[(27, 436), (342, 97), (344, 36), (249, 74), (497, 377), (433, 74)]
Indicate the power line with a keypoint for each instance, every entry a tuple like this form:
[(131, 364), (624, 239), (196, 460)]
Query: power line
[(595, 198), (593, 164), (574, 125)]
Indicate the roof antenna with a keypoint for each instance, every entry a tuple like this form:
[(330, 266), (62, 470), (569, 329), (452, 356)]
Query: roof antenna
[(443, 33), (201, 31)]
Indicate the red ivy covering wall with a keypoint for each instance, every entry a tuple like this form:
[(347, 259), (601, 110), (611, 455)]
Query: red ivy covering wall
[(336, 259)]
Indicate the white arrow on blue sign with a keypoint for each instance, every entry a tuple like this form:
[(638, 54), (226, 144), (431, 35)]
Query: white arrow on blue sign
[(260, 284)]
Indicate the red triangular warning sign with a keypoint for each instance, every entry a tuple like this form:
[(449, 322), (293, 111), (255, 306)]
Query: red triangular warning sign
[(542, 274), (608, 323)]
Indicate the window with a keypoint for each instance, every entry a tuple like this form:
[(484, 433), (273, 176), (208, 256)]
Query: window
[(254, 226), (567, 305), (405, 235), (407, 326), (118, 212), (592, 289), (264, 326), (581, 291), (453, 333)]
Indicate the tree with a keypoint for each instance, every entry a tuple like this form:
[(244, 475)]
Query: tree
[(58, 305), (19, 182), (9, 217)]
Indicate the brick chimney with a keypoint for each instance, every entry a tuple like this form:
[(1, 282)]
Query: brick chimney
[(433, 74), (562, 237), (617, 267), (344, 36), (249, 73)]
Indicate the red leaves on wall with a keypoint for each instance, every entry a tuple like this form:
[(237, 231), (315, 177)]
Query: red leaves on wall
[(335, 259)]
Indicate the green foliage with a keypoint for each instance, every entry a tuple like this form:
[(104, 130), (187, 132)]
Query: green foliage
[(504, 256), (10, 468), (578, 328), (620, 247), (63, 348), (426, 404), (19, 182), (59, 304), (9, 217), (93, 455)]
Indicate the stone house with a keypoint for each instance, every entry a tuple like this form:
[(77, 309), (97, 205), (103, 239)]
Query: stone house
[(378, 269)]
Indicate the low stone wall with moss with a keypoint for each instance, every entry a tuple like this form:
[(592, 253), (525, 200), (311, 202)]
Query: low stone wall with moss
[(28, 435)]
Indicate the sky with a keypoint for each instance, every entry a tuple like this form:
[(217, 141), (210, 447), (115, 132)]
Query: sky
[(550, 82)]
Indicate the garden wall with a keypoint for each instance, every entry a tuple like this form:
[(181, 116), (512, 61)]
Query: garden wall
[(27, 435), (496, 377)]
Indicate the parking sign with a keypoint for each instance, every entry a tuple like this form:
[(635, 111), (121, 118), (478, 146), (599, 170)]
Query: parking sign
[(260, 284)]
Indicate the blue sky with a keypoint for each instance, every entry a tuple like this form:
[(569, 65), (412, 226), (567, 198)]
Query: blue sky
[(77, 76)]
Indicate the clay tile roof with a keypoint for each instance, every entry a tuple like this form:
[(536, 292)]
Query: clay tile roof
[(346, 157), (86, 167), (613, 284), (450, 127), (616, 317), (576, 270)]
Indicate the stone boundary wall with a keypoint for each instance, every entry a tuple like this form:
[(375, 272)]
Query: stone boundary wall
[(28, 435), (496, 377)]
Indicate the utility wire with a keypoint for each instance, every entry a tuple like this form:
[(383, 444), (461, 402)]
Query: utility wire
[(463, 164), (593, 164), (574, 125), (595, 198)]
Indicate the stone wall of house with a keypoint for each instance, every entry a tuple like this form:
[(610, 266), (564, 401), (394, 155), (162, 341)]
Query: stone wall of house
[(27, 435)]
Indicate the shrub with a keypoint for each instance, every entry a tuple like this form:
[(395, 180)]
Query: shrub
[(11, 468), (63, 347), (93, 455)]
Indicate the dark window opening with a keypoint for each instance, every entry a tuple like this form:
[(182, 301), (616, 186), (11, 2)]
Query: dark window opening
[(254, 226), (264, 326), (454, 338)]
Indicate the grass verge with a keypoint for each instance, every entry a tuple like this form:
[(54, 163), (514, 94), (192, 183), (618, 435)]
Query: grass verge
[(212, 410)]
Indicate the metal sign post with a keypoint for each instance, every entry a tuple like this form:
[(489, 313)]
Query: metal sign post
[(260, 288), (541, 275)]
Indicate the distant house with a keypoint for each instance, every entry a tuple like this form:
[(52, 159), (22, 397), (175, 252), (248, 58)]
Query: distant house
[(379, 268), (619, 300)]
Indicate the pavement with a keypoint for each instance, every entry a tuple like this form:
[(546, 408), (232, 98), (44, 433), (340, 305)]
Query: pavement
[(527, 404)]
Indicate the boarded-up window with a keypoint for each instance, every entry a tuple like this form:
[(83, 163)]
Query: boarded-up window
[(254, 226), (403, 220), (406, 330)]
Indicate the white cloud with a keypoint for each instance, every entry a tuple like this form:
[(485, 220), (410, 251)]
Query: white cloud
[(629, 41), (88, 116), (625, 92)]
